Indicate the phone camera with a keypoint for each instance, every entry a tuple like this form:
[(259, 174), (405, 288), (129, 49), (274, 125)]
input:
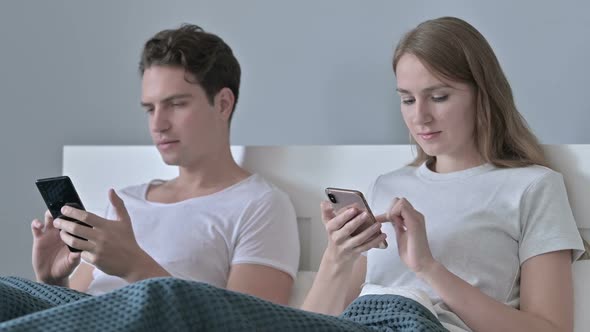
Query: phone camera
[(332, 198)]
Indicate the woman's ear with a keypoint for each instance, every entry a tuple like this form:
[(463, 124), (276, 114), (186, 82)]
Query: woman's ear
[(224, 102)]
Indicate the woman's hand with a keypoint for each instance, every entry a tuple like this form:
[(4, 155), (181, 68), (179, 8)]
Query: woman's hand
[(410, 231), (344, 247)]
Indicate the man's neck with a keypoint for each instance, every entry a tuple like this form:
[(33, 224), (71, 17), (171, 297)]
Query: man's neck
[(204, 178), (209, 176)]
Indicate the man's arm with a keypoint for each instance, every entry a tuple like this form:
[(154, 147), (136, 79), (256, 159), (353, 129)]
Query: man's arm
[(261, 281), (82, 277)]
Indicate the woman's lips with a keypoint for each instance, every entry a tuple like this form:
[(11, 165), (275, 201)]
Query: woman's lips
[(429, 136)]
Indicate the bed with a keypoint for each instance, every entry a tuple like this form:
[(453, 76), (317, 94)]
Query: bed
[(303, 172)]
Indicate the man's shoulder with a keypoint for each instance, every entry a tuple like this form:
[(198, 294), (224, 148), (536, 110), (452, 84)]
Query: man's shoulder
[(256, 188), (136, 191)]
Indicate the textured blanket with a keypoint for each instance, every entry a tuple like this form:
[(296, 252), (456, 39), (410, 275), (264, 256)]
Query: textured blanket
[(168, 304)]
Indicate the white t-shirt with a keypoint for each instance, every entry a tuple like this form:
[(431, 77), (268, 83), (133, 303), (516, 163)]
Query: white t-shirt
[(482, 224), (251, 222)]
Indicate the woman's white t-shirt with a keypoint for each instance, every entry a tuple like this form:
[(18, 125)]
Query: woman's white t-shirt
[(482, 224)]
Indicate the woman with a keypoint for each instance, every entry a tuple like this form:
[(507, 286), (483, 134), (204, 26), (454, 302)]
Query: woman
[(483, 231), (480, 224)]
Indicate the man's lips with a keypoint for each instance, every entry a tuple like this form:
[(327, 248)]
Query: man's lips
[(166, 143)]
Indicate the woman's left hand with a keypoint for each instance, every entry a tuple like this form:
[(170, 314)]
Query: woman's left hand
[(410, 231)]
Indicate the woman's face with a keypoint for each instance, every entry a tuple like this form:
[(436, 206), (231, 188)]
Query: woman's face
[(440, 115)]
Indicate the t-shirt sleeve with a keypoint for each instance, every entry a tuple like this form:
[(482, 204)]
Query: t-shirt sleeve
[(547, 221), (268, 234)]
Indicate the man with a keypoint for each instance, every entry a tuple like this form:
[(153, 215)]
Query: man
[(215, 222)]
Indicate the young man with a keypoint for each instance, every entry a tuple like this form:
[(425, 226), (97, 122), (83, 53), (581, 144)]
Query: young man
[(214, 223)]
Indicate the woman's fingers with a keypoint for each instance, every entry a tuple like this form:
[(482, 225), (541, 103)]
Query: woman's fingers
[(374, 243), (363, 237), (340, 220), (349, 227), (327, 211)]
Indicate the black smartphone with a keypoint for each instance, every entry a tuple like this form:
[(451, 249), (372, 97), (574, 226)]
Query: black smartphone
[(57, 192), (345, 198)]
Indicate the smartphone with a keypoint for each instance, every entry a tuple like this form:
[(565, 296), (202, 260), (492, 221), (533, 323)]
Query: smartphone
[(346, 198), (57, 192)]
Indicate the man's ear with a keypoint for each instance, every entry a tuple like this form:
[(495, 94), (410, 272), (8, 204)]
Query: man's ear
[(224, 102)]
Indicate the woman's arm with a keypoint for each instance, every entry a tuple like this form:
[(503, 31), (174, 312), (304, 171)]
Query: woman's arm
[(546, 283), (334, 289), (546, 302), (343, 268)]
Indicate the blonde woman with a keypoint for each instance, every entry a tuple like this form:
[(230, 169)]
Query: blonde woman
[(482, 226)]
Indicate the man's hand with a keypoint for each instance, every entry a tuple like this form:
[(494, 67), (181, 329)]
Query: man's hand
[(110, 245), (52, 260)]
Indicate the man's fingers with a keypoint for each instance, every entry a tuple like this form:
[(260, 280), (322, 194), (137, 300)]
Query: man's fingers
[(119, 206), (74, 228), (75, 242), (80, 215), (37, 228), (48, 220)]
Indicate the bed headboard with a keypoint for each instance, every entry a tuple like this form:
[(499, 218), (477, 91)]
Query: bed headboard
[(302, 171)]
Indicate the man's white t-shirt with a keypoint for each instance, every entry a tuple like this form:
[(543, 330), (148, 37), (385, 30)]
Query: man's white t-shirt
[(251, 222), (482, 224)]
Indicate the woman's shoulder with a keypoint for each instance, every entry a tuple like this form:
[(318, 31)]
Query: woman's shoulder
[(530, 174)]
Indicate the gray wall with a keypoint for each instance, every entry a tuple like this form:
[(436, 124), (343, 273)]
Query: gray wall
[(314, 72)]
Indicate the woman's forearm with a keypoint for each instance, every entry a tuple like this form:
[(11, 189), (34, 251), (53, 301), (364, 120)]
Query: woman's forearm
[(329, 292), (479, 311)]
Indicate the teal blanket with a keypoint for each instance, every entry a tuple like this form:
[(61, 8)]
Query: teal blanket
[(168, 304)]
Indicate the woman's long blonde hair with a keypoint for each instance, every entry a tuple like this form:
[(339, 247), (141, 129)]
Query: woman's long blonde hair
[(454, 50)]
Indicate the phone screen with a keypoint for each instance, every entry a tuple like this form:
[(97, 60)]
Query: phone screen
[(57, 192)]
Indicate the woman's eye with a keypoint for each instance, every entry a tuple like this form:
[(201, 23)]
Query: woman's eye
[(408, 101), (438, 99)]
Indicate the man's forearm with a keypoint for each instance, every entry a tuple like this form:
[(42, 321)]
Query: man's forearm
[(146, 267)]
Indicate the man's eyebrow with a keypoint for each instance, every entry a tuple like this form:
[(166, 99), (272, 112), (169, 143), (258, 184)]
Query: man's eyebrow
[(169, 98), (428, 89)]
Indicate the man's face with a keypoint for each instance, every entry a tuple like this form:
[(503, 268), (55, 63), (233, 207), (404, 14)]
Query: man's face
[(184, 126)]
